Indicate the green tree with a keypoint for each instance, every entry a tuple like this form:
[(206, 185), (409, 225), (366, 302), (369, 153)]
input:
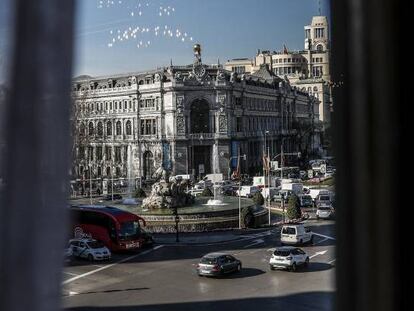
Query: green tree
[(293, 211), (258, 199)]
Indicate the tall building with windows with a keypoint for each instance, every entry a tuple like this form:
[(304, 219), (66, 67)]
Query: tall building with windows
[(189, 119), (308, 69)]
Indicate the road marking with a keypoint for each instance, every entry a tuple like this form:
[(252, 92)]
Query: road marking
[(255, 242), (318, 253), (321, 241), (332, 261), (324, 236), (111, 265), (73, 293)]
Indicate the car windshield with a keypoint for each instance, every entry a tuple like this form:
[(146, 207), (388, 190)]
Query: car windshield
[(283, 253), (129, 230), (209, 260), (95, 244), (289, 230)]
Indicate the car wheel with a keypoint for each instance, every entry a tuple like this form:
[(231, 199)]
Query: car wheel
[(317, 217), (90, 257), (306, 262), (301, 241), (293, 268), (239, 267), (311, 240), (271, 267)]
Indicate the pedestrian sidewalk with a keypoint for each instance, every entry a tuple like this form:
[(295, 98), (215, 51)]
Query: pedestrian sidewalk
[(202, 238)]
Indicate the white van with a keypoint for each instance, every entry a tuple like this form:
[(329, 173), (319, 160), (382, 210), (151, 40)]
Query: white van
[(295, 234), (315, 192), (248, 191), (272, 191)]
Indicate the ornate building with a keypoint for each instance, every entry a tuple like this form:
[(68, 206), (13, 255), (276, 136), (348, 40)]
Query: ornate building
[(190, 119), (308, 70)]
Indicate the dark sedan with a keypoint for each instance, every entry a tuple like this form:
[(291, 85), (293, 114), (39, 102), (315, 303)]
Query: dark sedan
[(215, 264)]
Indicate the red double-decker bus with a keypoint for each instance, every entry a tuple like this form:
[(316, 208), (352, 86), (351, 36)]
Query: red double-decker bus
[(119, 230)]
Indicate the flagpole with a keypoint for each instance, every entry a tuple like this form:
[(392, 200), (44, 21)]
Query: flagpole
[(268, 179)]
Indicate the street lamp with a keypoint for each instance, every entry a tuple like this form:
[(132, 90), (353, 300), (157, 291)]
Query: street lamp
[(177, 220), (238, 158), (90, 182)]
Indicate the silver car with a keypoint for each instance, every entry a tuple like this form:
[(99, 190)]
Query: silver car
[(325, 211), (215, 264)]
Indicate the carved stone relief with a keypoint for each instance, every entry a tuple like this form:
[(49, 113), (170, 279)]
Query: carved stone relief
[(223, 123)]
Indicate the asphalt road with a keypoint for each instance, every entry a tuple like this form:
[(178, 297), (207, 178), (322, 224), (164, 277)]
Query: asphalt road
[(164, 278)]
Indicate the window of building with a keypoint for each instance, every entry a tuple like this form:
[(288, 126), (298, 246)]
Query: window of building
[(82, 129), (108, 153), (317, 71), (99, 153), (90, 153), (109, 128), (154, 127), (118, 128), (239, 124), (118, 154), (100, 129), (128, 128), (90, 128)]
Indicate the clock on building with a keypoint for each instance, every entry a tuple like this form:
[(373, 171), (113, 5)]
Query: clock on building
[(199, 71)]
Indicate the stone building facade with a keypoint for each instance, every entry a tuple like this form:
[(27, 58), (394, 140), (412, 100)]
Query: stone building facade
[(189, 119), (308, 69)]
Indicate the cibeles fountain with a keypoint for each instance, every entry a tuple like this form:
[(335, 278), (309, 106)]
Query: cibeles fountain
[(167, 192)]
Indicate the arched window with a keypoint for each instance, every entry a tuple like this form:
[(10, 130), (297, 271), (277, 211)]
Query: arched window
[(315, 89), (118, 171), (128, 128), (100, 129), (108, 171), (99, 171), (91, 128), (82, 129), (109, 128), (118, 128), (319, 48)]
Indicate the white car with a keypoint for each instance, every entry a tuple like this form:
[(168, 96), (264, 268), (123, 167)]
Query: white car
[(288, 257), (295, 234), (90, 249), (325, 211)]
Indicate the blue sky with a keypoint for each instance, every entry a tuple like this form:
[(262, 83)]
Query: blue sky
[(225, 28)]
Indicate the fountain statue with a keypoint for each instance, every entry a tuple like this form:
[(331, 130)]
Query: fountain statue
[(167, 192)]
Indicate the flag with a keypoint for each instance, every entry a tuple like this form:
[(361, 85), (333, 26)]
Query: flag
[(285, 50)]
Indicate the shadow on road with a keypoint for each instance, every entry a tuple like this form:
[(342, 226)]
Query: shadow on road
[(112, 291), (309, 301), (244, 273)]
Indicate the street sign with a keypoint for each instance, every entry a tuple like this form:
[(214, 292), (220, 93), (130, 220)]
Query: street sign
[(323, 168)]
